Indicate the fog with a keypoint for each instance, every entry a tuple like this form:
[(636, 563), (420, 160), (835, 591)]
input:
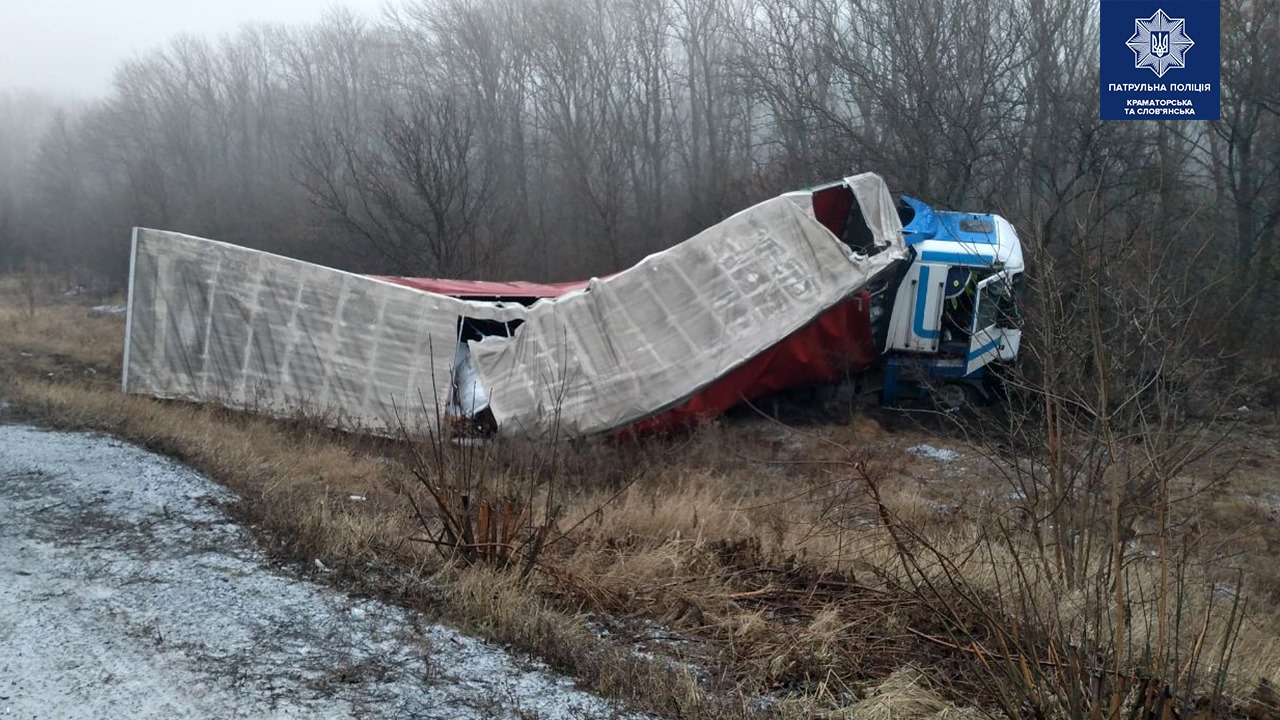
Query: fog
[(561, 139), (69, 48)]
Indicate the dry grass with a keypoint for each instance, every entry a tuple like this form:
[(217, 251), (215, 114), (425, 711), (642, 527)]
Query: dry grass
[(745, 559), (60, 339)]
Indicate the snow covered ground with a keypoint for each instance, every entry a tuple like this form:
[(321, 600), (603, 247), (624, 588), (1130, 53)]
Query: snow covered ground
[(126, 591)]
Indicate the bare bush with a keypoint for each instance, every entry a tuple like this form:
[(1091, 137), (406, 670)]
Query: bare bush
[(1089, 596), (487, 502)]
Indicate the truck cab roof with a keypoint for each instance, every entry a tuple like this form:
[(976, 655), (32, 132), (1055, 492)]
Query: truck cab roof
[(975, 240)]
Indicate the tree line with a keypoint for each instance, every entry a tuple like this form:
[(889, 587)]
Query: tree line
[(555, 139)]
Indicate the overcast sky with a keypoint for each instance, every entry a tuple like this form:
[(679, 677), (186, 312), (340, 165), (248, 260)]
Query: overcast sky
[(70, 47)]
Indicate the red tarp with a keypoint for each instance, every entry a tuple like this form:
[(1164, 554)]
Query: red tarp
[(836, 344), (831, 207)]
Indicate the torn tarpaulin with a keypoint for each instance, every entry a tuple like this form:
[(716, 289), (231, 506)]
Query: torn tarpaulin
[(210, 321)]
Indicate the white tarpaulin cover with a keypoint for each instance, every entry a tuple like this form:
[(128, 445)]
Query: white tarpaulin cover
[(210, 321), (215, 322)]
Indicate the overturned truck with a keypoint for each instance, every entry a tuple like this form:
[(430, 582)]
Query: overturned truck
[(807, 288)]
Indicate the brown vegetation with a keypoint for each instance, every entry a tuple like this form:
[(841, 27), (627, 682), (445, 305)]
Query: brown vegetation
[(1090, 554), (827, 568)]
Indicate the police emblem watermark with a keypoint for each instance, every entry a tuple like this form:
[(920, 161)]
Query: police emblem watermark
[(1160, 60)]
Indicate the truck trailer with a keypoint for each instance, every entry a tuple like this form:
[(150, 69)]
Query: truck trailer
[(932, 323)]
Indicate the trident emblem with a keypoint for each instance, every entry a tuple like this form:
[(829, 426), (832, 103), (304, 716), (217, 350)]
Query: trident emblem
[(1159, 44)]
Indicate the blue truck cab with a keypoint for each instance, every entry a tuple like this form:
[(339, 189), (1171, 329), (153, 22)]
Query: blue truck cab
[(955, 310)]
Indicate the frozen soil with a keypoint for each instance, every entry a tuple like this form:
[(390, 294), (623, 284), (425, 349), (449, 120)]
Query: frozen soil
[(127, 591)]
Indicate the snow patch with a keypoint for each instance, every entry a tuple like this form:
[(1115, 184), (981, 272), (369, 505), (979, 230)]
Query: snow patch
[(929, 451), (126, 591)]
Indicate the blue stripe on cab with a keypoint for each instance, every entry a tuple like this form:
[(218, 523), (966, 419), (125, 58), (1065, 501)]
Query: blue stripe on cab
[(922, 299)]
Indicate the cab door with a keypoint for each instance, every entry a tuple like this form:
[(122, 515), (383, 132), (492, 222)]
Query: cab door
[(987, 339)]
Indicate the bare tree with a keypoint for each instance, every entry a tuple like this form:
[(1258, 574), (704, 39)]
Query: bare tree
[(24, 119), (574, 136), (1245, 144), (419, 193)]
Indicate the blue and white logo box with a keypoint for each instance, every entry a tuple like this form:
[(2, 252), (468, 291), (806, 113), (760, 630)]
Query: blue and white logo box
[(1161, 60)]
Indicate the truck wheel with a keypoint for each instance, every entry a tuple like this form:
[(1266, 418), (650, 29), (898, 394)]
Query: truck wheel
[(954, 396)]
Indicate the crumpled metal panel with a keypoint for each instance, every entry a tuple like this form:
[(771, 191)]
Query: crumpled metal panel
[(215, 322), (651, 336)]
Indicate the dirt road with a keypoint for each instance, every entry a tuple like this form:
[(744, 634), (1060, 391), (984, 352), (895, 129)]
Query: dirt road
[(126, 591)]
